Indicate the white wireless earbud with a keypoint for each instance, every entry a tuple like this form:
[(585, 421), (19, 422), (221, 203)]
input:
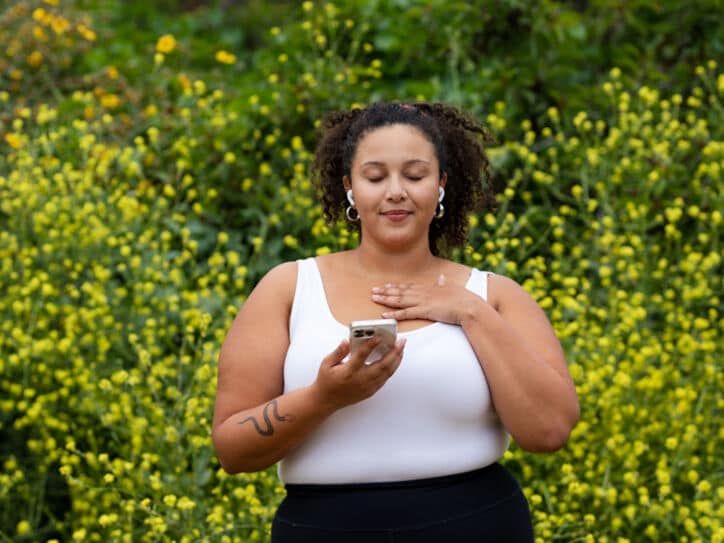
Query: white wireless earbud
[(349, 197)]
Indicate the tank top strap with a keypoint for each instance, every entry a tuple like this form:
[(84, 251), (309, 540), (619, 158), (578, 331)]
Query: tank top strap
[(479, 283), (308, 295)]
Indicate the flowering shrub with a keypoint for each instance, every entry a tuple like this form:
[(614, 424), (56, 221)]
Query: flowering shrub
[(136, 215), (613, 223)]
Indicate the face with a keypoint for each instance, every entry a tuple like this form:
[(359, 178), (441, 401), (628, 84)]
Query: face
[(395, 182)]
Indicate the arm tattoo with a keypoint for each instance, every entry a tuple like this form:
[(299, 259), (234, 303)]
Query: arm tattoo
[(269, 430)]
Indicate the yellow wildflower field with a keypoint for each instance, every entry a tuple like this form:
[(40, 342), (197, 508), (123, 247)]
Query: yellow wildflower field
[(136, 216)]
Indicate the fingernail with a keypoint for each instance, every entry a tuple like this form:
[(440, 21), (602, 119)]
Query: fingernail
[(377, 289), (386, 315)]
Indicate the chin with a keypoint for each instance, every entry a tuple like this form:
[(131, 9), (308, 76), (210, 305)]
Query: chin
[(398, 242)]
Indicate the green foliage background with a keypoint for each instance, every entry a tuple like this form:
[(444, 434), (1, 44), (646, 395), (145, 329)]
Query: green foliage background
[(147, 182)]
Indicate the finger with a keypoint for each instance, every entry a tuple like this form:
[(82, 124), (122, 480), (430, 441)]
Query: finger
[(360, 354), (403, 287), (336, 356), (396, 301), (391, 361), (404, 314), (386, 299), (393, 288), (398, 358), (389, 291)]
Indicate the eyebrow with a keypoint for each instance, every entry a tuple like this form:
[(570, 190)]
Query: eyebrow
[(406, 163)]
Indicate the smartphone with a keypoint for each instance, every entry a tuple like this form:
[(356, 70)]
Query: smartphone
[(361, 331)]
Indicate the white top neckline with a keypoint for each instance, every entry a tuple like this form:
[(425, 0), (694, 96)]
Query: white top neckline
[(334, 319)]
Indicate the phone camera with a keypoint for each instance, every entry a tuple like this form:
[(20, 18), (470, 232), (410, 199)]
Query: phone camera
[(369, 332), (359, 333)]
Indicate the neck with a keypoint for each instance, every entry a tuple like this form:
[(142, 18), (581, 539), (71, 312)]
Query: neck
[(389, 265)]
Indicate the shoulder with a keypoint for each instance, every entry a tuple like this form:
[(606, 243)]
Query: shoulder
[(456, 272), (280, 281), (284, 273), (505, 294)]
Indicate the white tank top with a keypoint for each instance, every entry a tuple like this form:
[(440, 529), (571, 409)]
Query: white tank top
[(433, 417)]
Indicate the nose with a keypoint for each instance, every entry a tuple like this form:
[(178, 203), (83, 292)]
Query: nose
[(395, 188)]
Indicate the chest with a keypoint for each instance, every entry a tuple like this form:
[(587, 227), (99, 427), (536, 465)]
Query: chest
[(351, 299), (440, 377)]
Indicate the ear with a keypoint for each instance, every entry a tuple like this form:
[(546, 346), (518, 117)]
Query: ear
[(347, 183), (443, 179)]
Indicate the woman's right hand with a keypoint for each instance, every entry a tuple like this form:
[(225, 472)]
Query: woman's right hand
[(341, 383)]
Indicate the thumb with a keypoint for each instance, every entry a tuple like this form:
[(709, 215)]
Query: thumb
[(336, 356)]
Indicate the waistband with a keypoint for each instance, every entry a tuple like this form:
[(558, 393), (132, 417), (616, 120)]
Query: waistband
[(397, 503), (442, 481)]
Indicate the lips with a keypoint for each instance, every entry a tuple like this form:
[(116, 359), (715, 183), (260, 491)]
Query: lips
[(396, 215)]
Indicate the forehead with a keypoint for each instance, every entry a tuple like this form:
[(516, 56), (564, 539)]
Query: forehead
[(394, 143)]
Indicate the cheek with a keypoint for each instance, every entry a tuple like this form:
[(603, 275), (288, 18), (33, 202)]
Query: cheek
[(427, 198), (370, 196)]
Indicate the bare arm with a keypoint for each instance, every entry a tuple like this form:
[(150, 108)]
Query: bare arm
[(255, 424), (256, 438), (518, 350), (525, 366)]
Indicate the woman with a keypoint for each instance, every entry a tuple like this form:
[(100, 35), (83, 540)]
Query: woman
[(404, 449)]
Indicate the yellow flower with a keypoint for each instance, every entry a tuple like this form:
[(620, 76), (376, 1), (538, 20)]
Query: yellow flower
[(184, 504), (86, 32), (110, 101), (166, 44), (225, 57), (59, 24), (35, 59), (14, 140), (23, 527), (184, 81), (291, 241)]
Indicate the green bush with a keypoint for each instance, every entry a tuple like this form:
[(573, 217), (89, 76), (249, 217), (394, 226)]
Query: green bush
[(146, 183)]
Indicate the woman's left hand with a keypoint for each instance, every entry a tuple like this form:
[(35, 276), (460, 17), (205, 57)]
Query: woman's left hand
[(440, 302)]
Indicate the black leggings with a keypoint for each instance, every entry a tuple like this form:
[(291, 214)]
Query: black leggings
[(482, 506)]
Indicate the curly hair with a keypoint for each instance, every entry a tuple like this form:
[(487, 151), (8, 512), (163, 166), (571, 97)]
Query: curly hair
[(458, 141)]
